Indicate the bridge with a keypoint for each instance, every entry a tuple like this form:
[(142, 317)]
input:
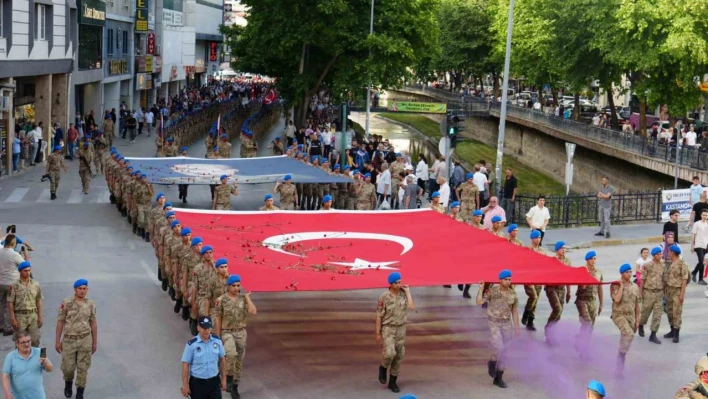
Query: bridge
[(634, 149)]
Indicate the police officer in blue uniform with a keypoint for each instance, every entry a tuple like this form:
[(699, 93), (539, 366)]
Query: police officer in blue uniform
[(203, 364)]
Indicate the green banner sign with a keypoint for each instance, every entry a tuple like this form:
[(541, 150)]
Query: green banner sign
[(410, 106), (92, 12)]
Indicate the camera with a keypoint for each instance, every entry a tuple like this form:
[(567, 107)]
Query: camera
[(45, 178)]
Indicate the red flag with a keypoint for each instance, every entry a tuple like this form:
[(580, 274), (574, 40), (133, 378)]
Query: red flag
[(345, 250)]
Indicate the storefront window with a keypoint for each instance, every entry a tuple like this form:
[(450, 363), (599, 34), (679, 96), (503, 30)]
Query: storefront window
[(174, 5), (90, 47)]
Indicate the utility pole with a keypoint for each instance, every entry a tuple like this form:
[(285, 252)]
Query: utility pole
[(502, 113), (368, 88)]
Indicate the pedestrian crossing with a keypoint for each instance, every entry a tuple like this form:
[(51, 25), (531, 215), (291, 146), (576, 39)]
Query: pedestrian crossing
[(39, 195)]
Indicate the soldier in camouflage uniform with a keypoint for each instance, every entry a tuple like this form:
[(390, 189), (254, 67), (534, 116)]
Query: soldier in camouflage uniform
[(135, 195), (24, 304), (352, 188), (268, 199), (189, 263), (201, 281), (156, 213), (85, 162), (222, 196), (468, 193), (586, 301), (396, 168), (497, 227), (160, 145), (532, 291), (327, 203), (677, 277), (250, 146), (217, 284), (55, 163), (209, 142), (625, 312), (698, 389), (513, 231), (342, 190), (162, 232), (435, 203), (333, 187), (100, 146), (324, 188), (178, 253), (170, 148), (288, 194), (502, 308), (391, 319), (170, 241), (143, 204), (651, 292), (127, 193), (555, 294), (224, 147), (77, 322), (365, 194), (230, 312), (455, 212), (476, 220)]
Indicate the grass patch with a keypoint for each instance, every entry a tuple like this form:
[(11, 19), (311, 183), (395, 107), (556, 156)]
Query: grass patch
[(426, 125), (358, 129)]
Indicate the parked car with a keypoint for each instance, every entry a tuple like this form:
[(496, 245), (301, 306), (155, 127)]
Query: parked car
[(651, 120), (523, 98)]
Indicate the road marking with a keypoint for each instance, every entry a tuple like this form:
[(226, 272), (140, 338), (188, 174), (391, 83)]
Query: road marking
[(17, 194), (75, 197), (150, 273), (44, 197)]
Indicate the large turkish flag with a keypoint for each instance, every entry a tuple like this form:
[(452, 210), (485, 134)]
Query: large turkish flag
[(345, 250)]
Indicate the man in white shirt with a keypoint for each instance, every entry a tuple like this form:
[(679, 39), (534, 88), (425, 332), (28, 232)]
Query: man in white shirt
[(140, 117), (444, 191), (9, 260), (538, 217), (34, 136), (290, 133), (699, 245), (480, 180), (149, 117), (433, 178), (690, 137), (383, 185), (596, 120)]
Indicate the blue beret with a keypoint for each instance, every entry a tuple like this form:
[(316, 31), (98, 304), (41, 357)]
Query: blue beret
[(512, 227), (143, 175), (435, 194), (356, 172), (170, 139), (590, 255), (206, 248), (470, 175), (477, 212), (159, 195), (455, 204), (186, 231), (393, 277), (336, 166), (222, 177), (625, 268), (408, 396), (675, 249), (559, 245), (535, 234), (113, 149), (134, 173), (656, 250), (315, 158), (170, 213), (299, 146), (80, 282), (597, 387), (23, 265), (327, 198), (234, 278), (367, 175), (267, 197), (137, 171), (216, 148), (86, 143), (496, 219), (398, 154), (287, 177), (347, 167), (325, 160), (223, 136), (195, 241), (174, 223), (221, 261), (506, 273), (277, 137)]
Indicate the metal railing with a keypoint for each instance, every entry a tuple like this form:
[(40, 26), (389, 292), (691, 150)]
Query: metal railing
[(584, 209)]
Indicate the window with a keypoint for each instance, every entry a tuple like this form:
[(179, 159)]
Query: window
[(125, 42), (109, 41), (41, 19), (2, 3), (90, 46)]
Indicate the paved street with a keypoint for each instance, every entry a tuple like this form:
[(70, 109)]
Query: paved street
[(310, 345)]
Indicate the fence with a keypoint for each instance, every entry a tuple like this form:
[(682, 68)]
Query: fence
[(583, 209)]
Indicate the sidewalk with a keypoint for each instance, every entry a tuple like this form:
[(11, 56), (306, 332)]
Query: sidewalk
[(584, 237)]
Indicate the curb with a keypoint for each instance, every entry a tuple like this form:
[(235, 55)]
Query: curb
[(615, 242)]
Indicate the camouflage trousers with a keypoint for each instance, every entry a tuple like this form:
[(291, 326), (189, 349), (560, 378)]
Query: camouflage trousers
[(85, 175), (363, 206), (54, 178), (143, 215), (394, 347), (674, 307), (288, 206), (341, 202), (76, 356), (501, 333), (175, 273), (652, 301), (223, 207), (351, 203), (533, 292), (28, 323), (98, 162), (466, 210), (625, 323), (587, 310), (202, 303), (133, 212), (235, 347), (556, 298)]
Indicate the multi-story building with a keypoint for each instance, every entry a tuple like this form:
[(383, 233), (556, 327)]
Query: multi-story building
[(87, 74), (118, 55), (38, 40)]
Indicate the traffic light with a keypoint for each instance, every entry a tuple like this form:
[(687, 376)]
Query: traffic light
[(455, 127)]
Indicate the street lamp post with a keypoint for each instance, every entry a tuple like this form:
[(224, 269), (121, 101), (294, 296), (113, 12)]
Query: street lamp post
[(502, 113), (368, 88)]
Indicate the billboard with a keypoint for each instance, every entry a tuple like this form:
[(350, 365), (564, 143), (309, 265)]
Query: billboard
[(411, 106)]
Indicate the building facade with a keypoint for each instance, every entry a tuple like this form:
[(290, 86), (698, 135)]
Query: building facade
[(87, 74), (119, 56)]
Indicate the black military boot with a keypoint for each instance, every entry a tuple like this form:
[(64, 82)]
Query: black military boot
[(229, 382), (676, 335), (67, 388), (447, 286), (124, 213), (392, 384), (178, 305), (529, 323), (653, 338), (460, 286), (147, 236), (130, 220), (193, 327), (164, 283), (172, 293), (53, 196), (234, 392), (525, 317), (641, 330), (112, 198), (466, 292), (492, 368), (670, 333), (135, 228), (159, 274), (185, 313), (498, 381), (79, 392), (382, 374)]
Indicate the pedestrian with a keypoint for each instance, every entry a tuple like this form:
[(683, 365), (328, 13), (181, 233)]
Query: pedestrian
[(391, 319), (34, 136), (16, 150), (24, 304), (383, 185), (130, 124), (651, 292), (672, 224), (482, 183), (149, 119), (595, 390), (625, 312), (222, 194), (140, 116), (80, 337), (696, 190), (72, 137), (676, 279), (9, 275), (509, 194), (421, 171), (22, 372), (699, 244), (605, 207), (698, 389), (588, 301), (491, 210), (537, 217), (555, 294), (230, 313), (502, 308), (203, 364), (412, 193)]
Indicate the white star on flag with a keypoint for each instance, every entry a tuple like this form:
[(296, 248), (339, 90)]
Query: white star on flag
[(361, 264)]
